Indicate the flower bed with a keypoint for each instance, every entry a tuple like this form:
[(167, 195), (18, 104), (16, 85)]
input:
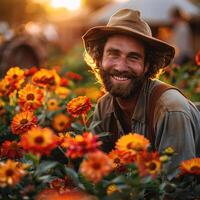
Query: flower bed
[(48, 150)]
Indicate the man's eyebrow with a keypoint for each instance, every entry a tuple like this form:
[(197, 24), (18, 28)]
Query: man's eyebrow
[(139, 55), (111, 49)]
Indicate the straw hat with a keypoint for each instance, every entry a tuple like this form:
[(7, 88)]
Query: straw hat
[(127, 21)]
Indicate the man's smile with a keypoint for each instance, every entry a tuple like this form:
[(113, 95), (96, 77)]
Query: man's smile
[(120, 78)]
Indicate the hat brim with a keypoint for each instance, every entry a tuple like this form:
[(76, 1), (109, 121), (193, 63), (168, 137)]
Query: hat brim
[(161, 48)]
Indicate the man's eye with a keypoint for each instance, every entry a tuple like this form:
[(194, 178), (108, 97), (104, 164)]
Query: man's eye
[(134, 57), (112, 54)]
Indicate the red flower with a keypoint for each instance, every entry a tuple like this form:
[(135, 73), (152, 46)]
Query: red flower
[(31, 71), (197, 58), (73, 76), (64, 82), (81, 144), (11, 149)]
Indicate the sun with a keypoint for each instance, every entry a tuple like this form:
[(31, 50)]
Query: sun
[(69, 4)]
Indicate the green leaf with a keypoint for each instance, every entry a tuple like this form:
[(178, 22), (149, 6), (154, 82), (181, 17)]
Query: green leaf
[(88, 186), (77, 127), (44, 167), (31, 158), (119, 179), (45, 178), (93, 124), (72, 174)]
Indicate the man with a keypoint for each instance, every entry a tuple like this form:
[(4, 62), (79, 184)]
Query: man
[(125, 58), (181, 37)]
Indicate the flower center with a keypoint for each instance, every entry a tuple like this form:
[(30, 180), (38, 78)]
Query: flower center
[(152, 166), (9, 172), (116, 160), (62, 124), (39, 140), (30, 97), (24, 121), (14, 76), (96, 166)]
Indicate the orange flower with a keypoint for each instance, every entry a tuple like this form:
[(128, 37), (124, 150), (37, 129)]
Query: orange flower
[(52, 104), (62, 92), (115, 156), (11, 149), (30, 97), (2, 104), (96, 166), (22, 122), (11, 173), (6, 87), (148, 163), (132, 142), (197, 58), (45, 78), (81, 144), (39, 140), (61, 122), (78, 106), (191, 166), (15, 75)]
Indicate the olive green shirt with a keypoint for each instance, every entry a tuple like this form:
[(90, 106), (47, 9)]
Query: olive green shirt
[(176, 123)]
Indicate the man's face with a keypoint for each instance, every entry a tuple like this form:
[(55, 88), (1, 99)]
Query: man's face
[(122, 69)]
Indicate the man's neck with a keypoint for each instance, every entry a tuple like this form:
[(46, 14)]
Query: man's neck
[(127, 105)]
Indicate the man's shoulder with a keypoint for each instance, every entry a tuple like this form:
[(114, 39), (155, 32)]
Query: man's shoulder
[(174, 100), (106, 97)]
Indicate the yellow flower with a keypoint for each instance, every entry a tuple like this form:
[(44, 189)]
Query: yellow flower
[(132, 142), (62, 92), (11, 173), (169, 151), (96, 166), (191, 166), (52, 104), (112, 188), (15, 75), (61, 122)]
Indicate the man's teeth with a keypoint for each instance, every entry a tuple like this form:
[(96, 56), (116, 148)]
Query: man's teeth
[(120, 78)]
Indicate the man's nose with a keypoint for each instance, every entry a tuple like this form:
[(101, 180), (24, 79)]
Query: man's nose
[(121, 64)]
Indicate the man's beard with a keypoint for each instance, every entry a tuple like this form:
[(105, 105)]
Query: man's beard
[(124, 91)]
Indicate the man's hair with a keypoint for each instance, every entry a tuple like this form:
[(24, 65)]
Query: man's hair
[(93, 58)]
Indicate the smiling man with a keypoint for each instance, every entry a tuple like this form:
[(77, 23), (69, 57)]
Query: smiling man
[(126, 59)]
